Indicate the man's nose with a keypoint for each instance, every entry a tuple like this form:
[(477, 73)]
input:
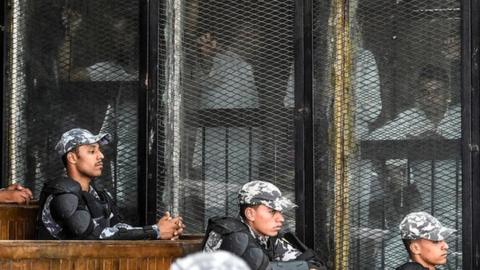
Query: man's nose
[(445, 245), (100, 155), (280, 217)]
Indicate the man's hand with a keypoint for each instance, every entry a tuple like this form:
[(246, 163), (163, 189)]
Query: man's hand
[(170, 228), (16, 193)]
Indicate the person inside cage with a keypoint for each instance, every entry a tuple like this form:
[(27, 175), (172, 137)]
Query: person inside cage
[(258, 235), (227, 155), (72, 207), (366, 97), (15, 193), (432, 118)]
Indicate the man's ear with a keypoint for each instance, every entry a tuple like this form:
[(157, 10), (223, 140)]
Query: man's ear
[(72, 157), (250, 213), (415, 247)]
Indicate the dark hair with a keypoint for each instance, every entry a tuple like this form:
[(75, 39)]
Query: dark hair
[(431, 72), (245, 206), (64, 157), (407, 243)]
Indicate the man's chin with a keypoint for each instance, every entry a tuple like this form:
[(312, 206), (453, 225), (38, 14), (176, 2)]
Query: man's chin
[(96, 174), (273, 233)]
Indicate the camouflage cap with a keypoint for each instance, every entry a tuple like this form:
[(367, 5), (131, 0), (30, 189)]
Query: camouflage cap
[(217, 260), (79, 136), (418, 225), (260, 192)]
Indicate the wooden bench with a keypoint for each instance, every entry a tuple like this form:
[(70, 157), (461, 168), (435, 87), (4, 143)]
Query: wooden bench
[(17, 222)]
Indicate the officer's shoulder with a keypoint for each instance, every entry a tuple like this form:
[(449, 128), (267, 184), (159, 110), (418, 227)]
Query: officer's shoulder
[(227, 224), (63, 185), (411, 266)]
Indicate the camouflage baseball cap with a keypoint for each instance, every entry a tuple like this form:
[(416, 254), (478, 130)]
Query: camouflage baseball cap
[(217, 260), (418, 225), (260, 192), (79, 136)]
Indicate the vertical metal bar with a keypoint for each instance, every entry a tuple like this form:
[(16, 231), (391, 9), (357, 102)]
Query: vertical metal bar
[(470, 138), (148, 131), (432, 187), (3, 160), (304, 159), (384, 225), (250, 138), (204, 188), (457, 206), (226, 170)]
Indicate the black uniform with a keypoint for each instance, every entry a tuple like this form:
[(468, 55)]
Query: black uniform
[(411, 266), (283, 252), (67, 212)]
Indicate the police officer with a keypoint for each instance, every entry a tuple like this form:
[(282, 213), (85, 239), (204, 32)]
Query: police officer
[(424, 238), (73, 208), (256, 236)]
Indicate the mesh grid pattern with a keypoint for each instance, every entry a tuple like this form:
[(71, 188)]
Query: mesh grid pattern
[(73, 64), (402, 146), (227, 107)]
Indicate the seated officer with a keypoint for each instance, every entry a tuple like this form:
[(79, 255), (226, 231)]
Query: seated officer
[(256, 235), (424, 238), (73, 208), (15, 193)]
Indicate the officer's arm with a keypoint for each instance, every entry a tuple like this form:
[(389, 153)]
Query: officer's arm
[(290, 265), (239, 244), (308, 255), (76, 222), (123, 231)]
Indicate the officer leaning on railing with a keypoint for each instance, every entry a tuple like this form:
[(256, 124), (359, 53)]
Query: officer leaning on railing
[(71, 207)]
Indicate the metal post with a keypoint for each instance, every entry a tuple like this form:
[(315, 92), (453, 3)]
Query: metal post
[(471, 131), (304, 146), (147, 160)]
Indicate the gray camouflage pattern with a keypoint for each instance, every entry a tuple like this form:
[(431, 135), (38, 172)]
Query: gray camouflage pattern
[(283, 250), (260, 192), (79, 136), (418, 225), (55, 229), (218, 260)]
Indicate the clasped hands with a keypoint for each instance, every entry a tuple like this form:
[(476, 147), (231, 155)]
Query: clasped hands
[(170, 227)]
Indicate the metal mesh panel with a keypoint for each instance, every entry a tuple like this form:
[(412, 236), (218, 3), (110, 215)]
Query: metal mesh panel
[(227, 67), (73, 64), (387, 126)]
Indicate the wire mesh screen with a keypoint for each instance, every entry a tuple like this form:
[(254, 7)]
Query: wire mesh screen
[(72, 64), (387, 126), (228, 65)]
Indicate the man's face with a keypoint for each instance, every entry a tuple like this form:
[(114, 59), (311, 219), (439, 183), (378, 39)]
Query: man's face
[(431, 253), (265, 220), (89, 160), (433, 95)]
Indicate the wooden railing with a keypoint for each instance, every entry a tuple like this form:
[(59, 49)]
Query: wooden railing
[(17, 223), (98, 255)]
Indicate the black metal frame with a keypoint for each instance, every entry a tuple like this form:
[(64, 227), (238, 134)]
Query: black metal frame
[(147, 160), (3, 158), (304, 143), (471, 133)]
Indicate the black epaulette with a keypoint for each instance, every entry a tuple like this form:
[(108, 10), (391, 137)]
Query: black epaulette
[(63, 185)]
